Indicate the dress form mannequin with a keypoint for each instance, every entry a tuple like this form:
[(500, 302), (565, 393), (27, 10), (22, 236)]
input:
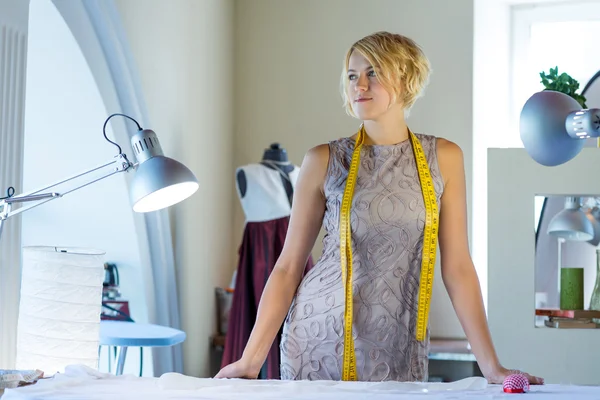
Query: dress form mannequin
[(275, 157)]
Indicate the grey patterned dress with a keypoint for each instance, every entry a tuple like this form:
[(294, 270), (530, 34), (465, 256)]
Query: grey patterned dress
[(387, 223)]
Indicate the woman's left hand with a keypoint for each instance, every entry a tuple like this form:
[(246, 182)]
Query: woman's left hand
[(497, 376)]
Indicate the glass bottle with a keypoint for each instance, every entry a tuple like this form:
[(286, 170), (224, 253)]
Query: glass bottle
[(595, 298)]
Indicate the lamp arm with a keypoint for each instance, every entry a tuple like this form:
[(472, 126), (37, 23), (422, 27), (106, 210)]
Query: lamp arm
[(120, 163)]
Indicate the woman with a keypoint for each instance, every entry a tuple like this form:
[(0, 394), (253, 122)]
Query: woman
[(383, 75)]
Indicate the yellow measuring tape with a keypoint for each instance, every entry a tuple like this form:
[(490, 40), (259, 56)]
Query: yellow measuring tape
[(428, 257)]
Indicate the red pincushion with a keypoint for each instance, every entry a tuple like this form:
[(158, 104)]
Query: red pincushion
[(516, 383)]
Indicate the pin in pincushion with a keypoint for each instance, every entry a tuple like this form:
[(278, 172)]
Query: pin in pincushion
[(516, 383)]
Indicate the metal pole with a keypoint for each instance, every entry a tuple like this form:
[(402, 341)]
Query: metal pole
[(121, 360)]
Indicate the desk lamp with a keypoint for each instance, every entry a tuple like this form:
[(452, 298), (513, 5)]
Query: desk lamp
[(572, 223), (553, 127), (159, 181)]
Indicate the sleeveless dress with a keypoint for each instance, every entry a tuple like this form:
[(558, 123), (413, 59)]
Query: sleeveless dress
[(267, 210), (387, 222)]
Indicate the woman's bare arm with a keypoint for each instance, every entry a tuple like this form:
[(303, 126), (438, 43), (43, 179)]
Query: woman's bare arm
[(305, 223), (458, 272)]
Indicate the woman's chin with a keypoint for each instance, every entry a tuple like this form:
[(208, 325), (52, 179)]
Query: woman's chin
[(365, 115)]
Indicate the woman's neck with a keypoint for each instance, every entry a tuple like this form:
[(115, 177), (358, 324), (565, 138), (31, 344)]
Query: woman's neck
[(390, 128)]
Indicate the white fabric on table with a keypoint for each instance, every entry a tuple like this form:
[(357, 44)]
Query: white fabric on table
[(13, 378), (83, 383)]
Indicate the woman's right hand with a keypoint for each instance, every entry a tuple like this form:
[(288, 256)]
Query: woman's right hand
[(238, 369)]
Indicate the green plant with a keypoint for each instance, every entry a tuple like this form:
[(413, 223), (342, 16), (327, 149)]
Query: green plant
[(563, 83)]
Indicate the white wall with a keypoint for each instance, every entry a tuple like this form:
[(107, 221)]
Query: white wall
[(567, 356), (184, 55), (63, 136), (281, 93), (289, 56)]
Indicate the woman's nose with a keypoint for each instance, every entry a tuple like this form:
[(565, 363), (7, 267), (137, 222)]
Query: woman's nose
[(362, 83)]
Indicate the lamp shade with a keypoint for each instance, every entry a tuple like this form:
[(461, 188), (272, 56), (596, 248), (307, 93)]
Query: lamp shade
[(59, 310), (571, 223), (543, 128), (159, 181)]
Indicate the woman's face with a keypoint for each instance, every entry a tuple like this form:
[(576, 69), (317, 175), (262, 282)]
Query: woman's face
[(369, 99)]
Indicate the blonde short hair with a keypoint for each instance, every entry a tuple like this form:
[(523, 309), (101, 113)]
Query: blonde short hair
[(401, 67)]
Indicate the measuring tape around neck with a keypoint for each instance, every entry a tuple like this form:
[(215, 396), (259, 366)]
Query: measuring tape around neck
[(430, 235)]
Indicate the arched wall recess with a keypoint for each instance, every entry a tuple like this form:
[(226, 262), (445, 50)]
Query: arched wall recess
[(96, 26)]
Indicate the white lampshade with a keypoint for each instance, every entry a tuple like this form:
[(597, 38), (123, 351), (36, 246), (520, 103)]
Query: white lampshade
[(159, 181), (60, 306), (571, 223)]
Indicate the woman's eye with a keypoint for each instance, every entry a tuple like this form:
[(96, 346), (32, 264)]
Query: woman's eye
[(351, 77), (372, 73)]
